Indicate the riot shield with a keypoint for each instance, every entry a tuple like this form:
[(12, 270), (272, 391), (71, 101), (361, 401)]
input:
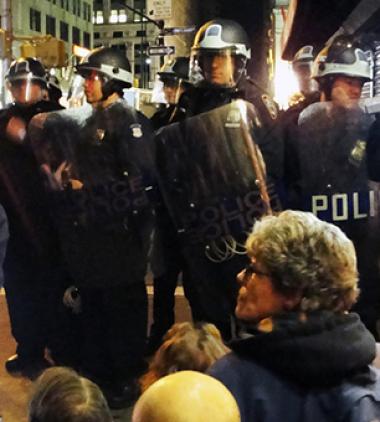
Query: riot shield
[(334, 185), (212, 176), (100, 173)]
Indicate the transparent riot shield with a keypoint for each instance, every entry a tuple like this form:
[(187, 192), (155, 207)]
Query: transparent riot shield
[(100, 173), (334, 185), (212, 176)]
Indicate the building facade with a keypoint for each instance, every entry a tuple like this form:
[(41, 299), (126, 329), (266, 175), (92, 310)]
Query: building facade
[(117, 26), (67, 20)]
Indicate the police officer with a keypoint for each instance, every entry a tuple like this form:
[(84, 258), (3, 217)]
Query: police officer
[(100, 171), (302, 67), (218, 63), (199, 159), (174, 75), (167, 262), (333, 181), (54, 91), (287, 123), (32, 268)]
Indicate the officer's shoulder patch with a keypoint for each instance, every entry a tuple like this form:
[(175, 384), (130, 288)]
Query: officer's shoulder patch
[(270, 105), (136, 130)]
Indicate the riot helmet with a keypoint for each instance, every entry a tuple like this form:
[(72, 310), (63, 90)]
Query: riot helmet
[(26, 78), (112, 66), (302, 66), (304, 56), (175, 69), (54, 89), (219, 53), (174, 79), (344, 58)]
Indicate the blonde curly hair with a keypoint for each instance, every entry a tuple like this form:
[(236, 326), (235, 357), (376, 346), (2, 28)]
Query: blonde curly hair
[(307, 257)]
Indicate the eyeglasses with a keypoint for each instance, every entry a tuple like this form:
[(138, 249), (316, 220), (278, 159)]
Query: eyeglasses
[(251, 269)]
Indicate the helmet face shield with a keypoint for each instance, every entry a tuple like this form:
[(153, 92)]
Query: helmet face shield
[(217, 67), (76, 95), (25, 90)]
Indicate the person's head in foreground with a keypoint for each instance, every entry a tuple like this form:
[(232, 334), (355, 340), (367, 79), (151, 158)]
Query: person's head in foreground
[(297, 263), (300, 355), (186, 396), (186, 346), (61, 395)]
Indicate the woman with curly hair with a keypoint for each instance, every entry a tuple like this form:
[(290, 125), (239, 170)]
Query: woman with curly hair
[(302, 355), (186, 346)]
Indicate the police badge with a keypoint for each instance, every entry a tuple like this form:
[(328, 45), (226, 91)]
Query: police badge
[(136, 130), (270, 105)]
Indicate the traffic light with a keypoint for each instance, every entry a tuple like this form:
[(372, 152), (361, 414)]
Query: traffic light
[(5, 44), (49, 50)]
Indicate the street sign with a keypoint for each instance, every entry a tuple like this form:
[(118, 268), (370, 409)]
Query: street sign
[(161, 50), (159, 9)]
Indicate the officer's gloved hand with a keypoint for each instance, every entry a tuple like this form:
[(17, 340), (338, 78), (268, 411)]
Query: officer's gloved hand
[(60, 179), (72, 299)]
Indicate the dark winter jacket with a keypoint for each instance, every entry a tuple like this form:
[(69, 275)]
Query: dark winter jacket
[(302, 371)]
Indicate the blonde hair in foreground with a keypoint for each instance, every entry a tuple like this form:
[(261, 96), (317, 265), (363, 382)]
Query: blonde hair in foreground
[(308, 257), (186, 396), (186, 346), (61, 395)]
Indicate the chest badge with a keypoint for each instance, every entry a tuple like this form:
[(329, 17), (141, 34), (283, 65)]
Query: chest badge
[(136, 130), (270, 105)]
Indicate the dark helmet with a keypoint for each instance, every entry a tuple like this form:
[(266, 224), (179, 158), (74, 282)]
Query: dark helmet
[(342, 57), (27, 68), (175, 70), (55, 91), (220, 36), (112, 64)]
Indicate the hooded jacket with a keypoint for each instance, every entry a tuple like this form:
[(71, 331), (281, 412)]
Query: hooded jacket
[(303, 371)]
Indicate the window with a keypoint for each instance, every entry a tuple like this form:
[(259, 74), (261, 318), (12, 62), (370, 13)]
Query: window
[(118, 34), (113, 16), (35, 20), (76, 35), (121, 47), (96, 35), (50, 25), (141, 33), (99, 17), (118, 16), (65, 4), (76, 7), (122, 16), (64, 31), (88, 12), (86, 40), (84, 11)]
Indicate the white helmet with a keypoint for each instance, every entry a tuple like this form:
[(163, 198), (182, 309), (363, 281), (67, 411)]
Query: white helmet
[(219, 37), (343, 57)]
